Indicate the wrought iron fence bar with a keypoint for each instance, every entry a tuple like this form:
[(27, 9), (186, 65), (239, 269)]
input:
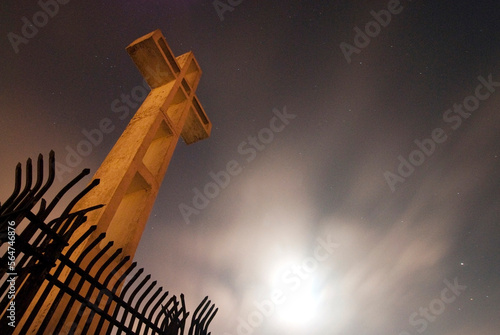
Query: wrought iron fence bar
[(43, 243), (57, 272), (183, 304), (66, 289), (39, 175), (209, 321), (46, 229), (68, 280), (40, 245), (91, 290), (196, 316), (156, 306), (79, 196), (63, 191), (51, 177), (30, 230), (148, 304), (79, 286), (164, 312), (25, 251), (26, 188), (30, 197), (39, 251), (202, 325), (113, 291), (15, 192), (67, 232), (132, 296), (172, 316), (126, 307), (123, 304), (138, 304), (101, 294), (122, 295), (154, 310)]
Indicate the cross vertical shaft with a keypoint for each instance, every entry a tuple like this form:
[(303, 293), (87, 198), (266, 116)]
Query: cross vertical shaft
[(132, 172)]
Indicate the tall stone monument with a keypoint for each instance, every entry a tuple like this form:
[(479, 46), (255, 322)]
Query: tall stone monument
[(132, 173)]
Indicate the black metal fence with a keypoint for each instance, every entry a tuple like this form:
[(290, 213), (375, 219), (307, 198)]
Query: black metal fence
[(36, 266)]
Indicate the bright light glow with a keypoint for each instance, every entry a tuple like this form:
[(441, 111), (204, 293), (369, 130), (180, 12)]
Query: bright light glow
[(300, 308)]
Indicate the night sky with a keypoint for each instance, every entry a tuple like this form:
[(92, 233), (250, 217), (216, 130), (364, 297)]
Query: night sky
[(366, 135)]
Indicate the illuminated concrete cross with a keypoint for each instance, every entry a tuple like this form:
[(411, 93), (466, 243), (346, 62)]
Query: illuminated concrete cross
[(132, 172)]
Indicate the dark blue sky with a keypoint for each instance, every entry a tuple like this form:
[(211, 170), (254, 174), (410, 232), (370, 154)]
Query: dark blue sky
[(422, 96)]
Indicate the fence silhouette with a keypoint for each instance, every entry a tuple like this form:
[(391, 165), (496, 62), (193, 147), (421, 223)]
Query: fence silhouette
[(34, 257)]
